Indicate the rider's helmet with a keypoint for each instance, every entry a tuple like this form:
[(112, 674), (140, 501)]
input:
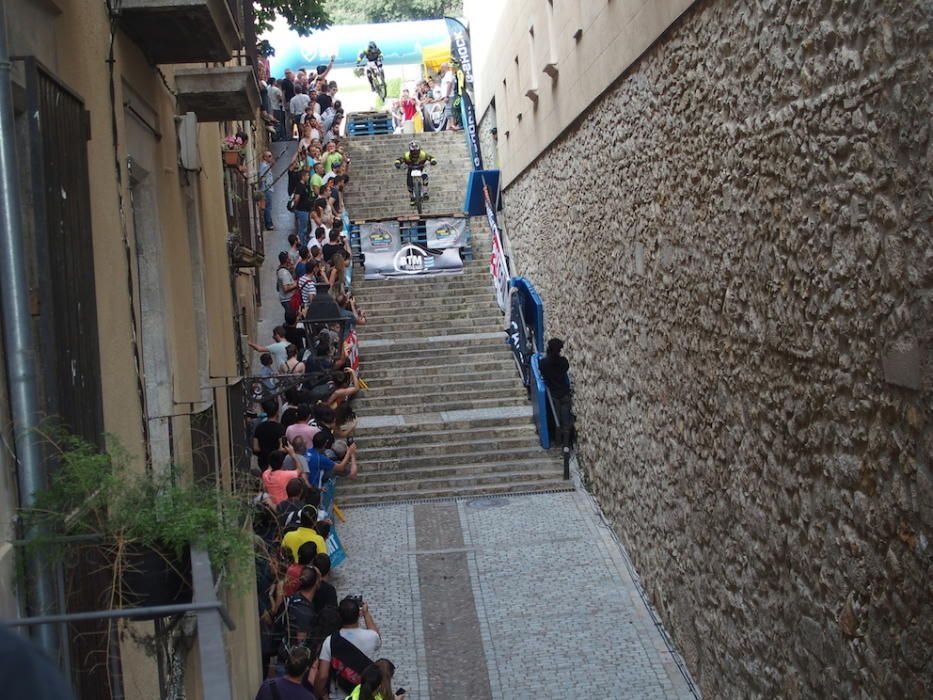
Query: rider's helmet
[(414, 146), (372, 46)]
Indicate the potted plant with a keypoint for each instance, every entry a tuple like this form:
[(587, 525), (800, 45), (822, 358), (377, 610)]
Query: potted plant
[(232, 150), (141, 526)]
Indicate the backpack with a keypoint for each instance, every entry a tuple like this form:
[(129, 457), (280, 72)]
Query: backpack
[(284, 625), (346, 663)]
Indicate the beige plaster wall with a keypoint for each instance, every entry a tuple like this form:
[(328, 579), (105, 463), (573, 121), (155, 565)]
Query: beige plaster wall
[(745, 284), (584, 44)]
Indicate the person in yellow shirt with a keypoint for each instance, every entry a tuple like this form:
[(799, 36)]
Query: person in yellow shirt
[(307, 517)]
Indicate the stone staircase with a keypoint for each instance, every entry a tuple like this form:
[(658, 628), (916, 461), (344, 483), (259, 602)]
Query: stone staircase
[(377, 190), (445, 415)]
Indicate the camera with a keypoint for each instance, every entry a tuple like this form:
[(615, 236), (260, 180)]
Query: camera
[(358, 599)]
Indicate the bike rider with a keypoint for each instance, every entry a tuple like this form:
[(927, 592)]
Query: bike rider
[(415, 158), (373, 57)]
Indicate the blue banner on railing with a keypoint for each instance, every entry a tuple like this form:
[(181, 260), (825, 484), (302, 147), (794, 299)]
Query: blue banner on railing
[(539, 403), (532, 309), (334, 546)]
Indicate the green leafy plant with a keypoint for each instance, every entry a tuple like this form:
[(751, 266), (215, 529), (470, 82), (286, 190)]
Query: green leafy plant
[(303, 16), (96, 495)]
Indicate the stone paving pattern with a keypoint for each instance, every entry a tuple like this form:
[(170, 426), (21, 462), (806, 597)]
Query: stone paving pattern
[(536, 586)]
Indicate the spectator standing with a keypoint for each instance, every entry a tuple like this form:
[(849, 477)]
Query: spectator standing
[(277, 348), (326, 596), (294, 684), (267, 437), (554, 370), (298, 103), (306, 554), (449, 94), (408, 105), (285, 283), (287, 514), (301, 205), (305, 532), (350, 650), (275, 478), (277, 105), (317, 180), (267, 184), (287, 85), (294, 334), (302, 428)]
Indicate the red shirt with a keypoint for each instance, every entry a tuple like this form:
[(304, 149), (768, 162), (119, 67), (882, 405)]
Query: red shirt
[(291, 578), (408, 108)]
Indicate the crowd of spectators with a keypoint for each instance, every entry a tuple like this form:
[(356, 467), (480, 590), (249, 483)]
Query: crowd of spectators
[(435, 99), (315, 643)]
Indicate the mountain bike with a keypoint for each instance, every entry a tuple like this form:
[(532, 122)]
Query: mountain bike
[(377, 79)]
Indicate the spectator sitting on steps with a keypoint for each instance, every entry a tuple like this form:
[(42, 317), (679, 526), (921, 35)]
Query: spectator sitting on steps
[(554, 369)]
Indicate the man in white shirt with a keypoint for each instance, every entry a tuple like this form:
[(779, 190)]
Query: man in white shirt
[(276, 348), (448, 93), (298, 103), (277, 105), (365, 639)]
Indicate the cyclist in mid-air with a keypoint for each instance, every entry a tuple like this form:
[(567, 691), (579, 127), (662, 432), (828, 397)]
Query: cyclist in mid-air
[(372, 56), (415, 158)]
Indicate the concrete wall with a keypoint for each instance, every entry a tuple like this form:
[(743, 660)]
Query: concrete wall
[(743, 276), (196, 320), (545, 61)]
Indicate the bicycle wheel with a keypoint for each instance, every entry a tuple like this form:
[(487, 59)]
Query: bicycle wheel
[(417, 194), (380, 80)]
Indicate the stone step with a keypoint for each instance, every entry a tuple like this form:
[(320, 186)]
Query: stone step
[(502, 371), (451, 345), (404, 333), (417, 389), (396, 407), (386, 302), (489, 434), (475, 474), (400, 459), (534, 484), (419, 316), (412, 361), (395, 427)]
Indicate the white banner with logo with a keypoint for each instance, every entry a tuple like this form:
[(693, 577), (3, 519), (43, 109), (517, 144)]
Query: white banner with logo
[(446, 233), (379, 243)]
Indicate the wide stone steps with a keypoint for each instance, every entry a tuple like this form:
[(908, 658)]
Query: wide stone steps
[(377, 190), (484, 432), (420, 315), (443, 459), (432, 330), (501, 371), (427, 390), (374, 426), (472, 486), (459, 347), (398, 407)]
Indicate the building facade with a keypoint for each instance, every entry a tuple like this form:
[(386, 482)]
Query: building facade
[(725, 206), (143, 251)]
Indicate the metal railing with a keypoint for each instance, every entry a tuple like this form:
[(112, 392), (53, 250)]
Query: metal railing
[(243, 217)]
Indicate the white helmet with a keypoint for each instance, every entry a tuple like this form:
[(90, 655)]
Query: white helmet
[(414, 146)]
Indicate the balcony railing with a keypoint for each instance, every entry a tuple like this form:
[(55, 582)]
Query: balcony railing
[(244, 221)]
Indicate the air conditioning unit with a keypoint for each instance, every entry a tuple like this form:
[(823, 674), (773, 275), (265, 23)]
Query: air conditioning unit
[(187, 128)]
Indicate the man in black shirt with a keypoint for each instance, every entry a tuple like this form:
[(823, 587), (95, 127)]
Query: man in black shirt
[(554, 369), (293, 333), (268, 435), (287, 86), (336, 245)]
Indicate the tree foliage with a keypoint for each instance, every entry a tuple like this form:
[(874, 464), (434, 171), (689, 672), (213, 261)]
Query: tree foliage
[(303, 16), (365, 11)]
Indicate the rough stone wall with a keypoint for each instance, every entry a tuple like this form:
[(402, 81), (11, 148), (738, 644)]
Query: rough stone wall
[(743, 273)]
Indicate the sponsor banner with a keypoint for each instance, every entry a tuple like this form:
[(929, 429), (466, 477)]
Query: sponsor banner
[(412, 259), (446, 233), (335, 549), (351, 348), (518, 337), (498, 266), (462, 52), (379, 242)]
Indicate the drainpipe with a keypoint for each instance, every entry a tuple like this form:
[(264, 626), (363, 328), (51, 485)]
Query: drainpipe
[(19, 346)]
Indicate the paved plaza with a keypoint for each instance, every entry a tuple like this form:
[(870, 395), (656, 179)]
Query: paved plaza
[(518, 596)]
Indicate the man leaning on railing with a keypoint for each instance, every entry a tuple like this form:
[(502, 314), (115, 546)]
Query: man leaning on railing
[(554, 370)]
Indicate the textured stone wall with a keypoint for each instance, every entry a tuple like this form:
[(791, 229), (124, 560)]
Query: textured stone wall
[(736, 242)]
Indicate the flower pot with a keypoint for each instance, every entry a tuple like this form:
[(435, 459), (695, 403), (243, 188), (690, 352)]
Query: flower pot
[(155, 576), (231, 158)]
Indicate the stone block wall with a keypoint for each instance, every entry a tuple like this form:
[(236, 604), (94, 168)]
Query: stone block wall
[(736, 243)]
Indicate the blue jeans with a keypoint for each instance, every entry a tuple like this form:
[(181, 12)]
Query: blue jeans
[(267, 211), (301, 222)]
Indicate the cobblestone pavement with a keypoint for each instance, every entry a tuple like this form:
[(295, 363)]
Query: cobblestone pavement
[(553, 606)]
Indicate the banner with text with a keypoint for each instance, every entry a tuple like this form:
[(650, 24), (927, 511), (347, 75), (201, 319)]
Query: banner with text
[(498, 265), (379, 242), (462, 54), (446, 233)]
